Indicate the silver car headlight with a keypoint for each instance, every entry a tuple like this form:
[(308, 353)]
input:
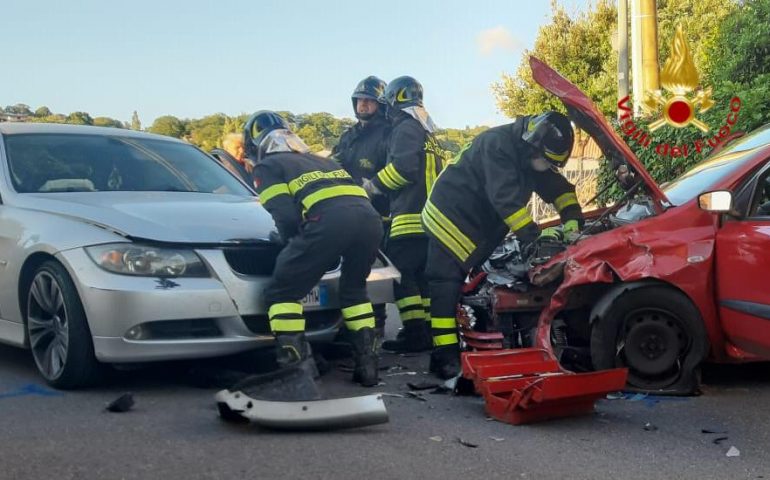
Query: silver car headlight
[(147, 261)]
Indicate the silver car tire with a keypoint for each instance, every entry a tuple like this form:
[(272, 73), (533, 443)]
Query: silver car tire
[(57, 329)]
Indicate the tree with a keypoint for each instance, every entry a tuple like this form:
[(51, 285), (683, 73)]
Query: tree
[(578, 48), (168, 125), (135, 123), (207, 131), (80, 118), (18, 109), (107, 122), (42, 112)]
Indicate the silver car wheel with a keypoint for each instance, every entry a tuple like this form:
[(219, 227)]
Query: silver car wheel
[(48, 325)]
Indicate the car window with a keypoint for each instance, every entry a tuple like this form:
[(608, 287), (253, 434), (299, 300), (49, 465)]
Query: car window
[(93, 163), (761, 205)]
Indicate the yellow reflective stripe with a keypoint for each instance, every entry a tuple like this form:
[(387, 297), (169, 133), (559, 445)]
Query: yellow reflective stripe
[(406, 231), (284, 308), (387, 180), (273, 191), (409, 301), (450, 227), (406, 219), (430, 171), (355, 325), (412, 315), (300, 182), (331, 192), (444, 237), (357, 310), (519, 219), (279, 325), (448, 339), (426, 302), (523, 223), (397, 177), (557, 157), (443, 322), (565, 200)]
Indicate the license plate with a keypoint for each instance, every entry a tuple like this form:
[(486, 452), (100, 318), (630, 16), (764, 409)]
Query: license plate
[(316, 297)]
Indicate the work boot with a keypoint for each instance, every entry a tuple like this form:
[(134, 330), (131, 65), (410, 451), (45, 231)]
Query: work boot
[(445, 361), (365, 357), (414, 337), (292, 349)]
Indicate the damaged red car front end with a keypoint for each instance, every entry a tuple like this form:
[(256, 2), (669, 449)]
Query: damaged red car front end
[(657, 284)]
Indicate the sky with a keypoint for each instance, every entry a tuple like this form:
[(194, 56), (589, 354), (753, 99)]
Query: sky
[(194, 58)]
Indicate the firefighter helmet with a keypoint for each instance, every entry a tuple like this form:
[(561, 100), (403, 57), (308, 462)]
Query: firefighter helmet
[(403, 92), (552, 137)]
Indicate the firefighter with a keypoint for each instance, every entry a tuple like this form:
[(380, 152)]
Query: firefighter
[(414, 161), (362, 150), (321, 215), (480, 197)]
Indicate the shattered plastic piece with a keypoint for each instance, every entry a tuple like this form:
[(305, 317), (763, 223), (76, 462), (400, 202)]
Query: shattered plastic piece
[(400, 373), (719, 440), (638, 397), (465, 443), (422, 385), (397, 395), (615, 396), (121, 404), (436, 439), (650, 427), (733, 452), (497, 439), (705, 430)]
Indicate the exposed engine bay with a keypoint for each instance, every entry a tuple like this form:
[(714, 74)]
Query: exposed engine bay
[(501, 305)]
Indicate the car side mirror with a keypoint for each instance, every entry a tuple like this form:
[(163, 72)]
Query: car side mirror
[(720, 201)]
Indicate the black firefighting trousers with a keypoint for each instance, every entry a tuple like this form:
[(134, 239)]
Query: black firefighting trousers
[(352, 232), (445, 277), (409, 254)]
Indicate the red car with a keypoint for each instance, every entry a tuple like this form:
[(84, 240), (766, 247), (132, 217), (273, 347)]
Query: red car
[(671, 276)]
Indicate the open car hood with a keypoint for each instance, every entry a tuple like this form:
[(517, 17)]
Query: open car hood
[(586, 116)]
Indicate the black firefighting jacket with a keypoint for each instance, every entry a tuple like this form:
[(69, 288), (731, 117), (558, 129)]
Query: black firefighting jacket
[(362, 151), (413, 164), (294, 186), (483, 193)]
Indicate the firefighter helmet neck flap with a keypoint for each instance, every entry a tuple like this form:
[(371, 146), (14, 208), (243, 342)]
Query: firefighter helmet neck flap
[(267, 132), (551, 137), (370, 88)]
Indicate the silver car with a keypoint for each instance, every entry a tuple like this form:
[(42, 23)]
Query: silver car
[(121, 246)]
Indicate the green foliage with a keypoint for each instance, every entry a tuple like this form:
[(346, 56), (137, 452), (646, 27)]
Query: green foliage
[(732, 42), (168, 125), (453, 139), (80, 118), (42, 112), (18, 109), (578, 48), (107, 122), (207, 132)]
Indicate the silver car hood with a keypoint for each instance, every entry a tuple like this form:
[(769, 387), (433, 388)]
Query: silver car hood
[(178, 217)]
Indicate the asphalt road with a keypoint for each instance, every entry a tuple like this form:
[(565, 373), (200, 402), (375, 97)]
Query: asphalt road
[(174, 432)]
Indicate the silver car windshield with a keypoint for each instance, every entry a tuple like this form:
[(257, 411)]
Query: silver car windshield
[(42, 163)]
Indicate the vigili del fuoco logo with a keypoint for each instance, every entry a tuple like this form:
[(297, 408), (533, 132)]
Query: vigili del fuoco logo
[(680, 104)]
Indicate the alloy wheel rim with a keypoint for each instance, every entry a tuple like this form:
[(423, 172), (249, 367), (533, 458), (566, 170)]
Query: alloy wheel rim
[(48, 325)]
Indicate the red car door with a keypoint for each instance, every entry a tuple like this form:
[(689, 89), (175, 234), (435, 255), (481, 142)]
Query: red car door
[(742, 271)]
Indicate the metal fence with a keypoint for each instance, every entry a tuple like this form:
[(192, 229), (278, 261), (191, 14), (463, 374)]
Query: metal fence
[(585, 181)]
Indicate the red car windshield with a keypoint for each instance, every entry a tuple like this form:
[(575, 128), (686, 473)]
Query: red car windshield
[(710, 171), (48, 163)]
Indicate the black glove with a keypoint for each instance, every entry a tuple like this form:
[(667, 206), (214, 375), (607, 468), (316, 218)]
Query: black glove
[(626, 177)]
